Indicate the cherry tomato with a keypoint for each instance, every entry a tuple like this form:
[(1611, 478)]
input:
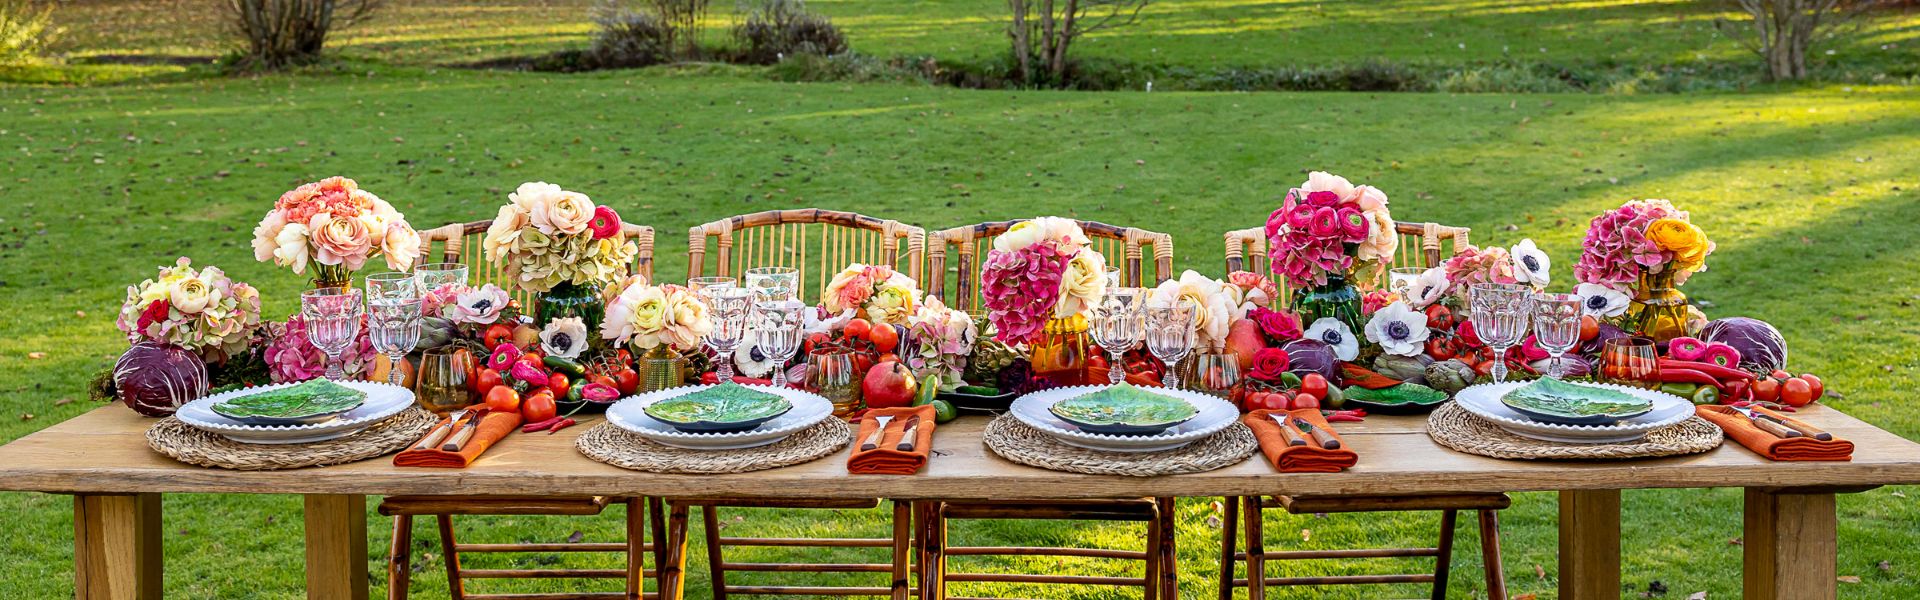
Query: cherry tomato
[(1766, 389), (626, 380), (857, 328), (1819, 387), (483, 381), (1267, 401), (604, 380), (1779, 374), (503, 399), (1589, 327), (464, 358), (1440, 348), (539, 406), (884, 337), (1315, 385), (1305, 400), (1796, 393), (559, 383), (495, 335)]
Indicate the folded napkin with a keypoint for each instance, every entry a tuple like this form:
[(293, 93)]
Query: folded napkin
[(493, 427), (1741, 430), (1310, 458), (886, 460)]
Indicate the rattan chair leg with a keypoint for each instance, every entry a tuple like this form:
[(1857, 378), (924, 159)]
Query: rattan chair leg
[(1490, 555), (933, 562), (674, 564), (636, 548), (1169, 552), (452, 555), (1443, 560), (1229, 542), (656, 512), (716, 565), (1256, 549), (400, 558), (902, 547), (1150, 586)]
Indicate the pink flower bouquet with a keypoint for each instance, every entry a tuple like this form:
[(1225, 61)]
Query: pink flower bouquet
[(292, 357), (1039, 269), (545, 236), (1328, 226), (879, 294), (337, 227), (1642, 236), (203, 311)]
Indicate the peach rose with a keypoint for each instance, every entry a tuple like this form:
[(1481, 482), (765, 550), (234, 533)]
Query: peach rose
[(563, 213), (265, 233), (340, 241), (400, 246), (503, 237), (291, 247)]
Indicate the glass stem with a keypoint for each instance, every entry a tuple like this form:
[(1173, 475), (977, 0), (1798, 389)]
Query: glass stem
[(1171, 379), (1116, 370), (780, 374), (335, 371), (725, 358), (1554, 369), (1499, 365), (393, 369)]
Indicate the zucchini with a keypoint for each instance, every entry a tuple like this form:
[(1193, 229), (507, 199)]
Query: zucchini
[(564, 365)]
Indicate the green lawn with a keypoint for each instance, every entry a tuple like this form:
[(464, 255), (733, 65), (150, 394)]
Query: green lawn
[(1810, 194)]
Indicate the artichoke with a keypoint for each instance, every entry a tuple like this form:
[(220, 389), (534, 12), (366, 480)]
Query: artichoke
[(1411, 369), (436, 332), (1449, 376)]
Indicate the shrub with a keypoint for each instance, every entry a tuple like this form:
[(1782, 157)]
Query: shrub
[(780, 28), (628, 39), (24, 31), (278, 33), (681, 19)]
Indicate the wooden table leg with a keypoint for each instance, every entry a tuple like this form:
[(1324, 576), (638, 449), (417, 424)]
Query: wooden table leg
[(1790, 543), (1590, 544), (116, 547), (336, 547)]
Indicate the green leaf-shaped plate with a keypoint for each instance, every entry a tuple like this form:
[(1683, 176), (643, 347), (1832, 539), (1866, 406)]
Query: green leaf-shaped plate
[(1555, 401), (315, 401), (724, 408), (1124, 410)]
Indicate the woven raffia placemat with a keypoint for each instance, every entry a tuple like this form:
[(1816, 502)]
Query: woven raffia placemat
[(1021, 443), (615, 446), (207, 449), (1456, 428)]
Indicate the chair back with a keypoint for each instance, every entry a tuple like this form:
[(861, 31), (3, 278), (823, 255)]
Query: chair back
[(817, 242), (1247, 249), (967, 245), (461, 243)]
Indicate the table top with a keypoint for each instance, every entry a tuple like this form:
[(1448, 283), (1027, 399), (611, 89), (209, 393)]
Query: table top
[(105, 451)]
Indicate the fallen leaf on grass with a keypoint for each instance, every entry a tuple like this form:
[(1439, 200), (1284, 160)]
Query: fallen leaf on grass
[(1848, 579), (36, 355), (1697, 596), (1735, 541), (63, 402), (1539, 573), (1527, 596), (1885, 566), (80, 314), (576, 537), (1213, 522), (1306, 535), (26, 416)]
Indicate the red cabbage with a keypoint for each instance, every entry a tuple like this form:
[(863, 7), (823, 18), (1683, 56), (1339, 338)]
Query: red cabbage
[(1762, 348), (1312, 356), (154, 378), (1599, 341)]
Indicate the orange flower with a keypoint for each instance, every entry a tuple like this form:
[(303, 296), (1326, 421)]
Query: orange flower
[(1688, 244)]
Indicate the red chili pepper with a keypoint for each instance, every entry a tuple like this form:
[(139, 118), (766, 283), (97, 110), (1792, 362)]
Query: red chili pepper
[(561, 424), (1343, 416), (532, 427), (1725, 373), (1680, 375)]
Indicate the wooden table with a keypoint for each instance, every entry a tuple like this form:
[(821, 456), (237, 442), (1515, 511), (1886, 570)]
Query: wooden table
[(102, 458)]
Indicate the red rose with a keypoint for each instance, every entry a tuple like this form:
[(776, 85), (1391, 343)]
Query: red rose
[(1279, 326), (155, 312), (1269, 364)]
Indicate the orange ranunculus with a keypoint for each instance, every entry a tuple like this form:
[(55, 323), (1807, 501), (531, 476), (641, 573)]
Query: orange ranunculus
[(1688, 244)]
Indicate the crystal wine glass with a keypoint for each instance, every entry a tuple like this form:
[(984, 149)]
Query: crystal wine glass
[(727, 306), (1170, 337), (776, 327), (774, 283), (1556, 327), (695, 284), (433, 276), (1117, 327), (332, 315), (393, 323), (1500, 315)]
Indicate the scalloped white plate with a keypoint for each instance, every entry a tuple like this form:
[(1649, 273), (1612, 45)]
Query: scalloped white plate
[(1484, 400), (1215, 415), (630, 414), (383, 401)]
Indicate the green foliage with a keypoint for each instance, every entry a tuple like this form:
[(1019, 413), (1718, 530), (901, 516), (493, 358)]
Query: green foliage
[(26, 29), (779, 28)]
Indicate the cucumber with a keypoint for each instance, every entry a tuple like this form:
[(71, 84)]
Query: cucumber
[(944, 411), (977, 390), (564, 365)]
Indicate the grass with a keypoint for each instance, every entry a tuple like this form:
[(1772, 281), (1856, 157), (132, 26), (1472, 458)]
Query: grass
[(1806, 193)]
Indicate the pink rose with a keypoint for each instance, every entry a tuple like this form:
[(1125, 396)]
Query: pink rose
[(1279, 326), (1269, 364), (340, 241)]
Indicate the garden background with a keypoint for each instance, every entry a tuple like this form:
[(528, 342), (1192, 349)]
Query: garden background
[(127, 145)]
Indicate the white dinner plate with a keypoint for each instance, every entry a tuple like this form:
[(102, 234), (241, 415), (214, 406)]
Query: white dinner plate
[(1215, 414), (1484, 400), (630, 414), (383, 401)]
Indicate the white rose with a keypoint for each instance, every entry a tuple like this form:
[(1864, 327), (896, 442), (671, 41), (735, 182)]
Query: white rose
[(265, 234), (565, 213), (503, 237), (1019, 237), (290, 247), (400, 246), (1083, 284)]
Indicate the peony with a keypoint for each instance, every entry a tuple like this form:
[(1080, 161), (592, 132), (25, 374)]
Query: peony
[(290, 247), (1398, 329), (400, 246), (1269, 364), (566, 336), (338, 241), (1212, 313), (1083, 283)]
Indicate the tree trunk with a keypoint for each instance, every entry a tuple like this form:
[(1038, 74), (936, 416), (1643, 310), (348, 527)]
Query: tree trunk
[(1057, 62), (1022, 34)]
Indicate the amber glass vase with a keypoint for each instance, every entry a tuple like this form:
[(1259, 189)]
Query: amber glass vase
[(661, 368), (1061, 352), (1658, 309)]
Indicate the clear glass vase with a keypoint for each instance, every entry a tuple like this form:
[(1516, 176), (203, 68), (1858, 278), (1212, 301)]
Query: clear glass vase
[(573, 300), (1658, 309)]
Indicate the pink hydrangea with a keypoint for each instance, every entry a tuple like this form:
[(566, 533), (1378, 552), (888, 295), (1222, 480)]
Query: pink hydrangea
[(1616, 248), (1479, 265), (290, 357), (1020, 289)]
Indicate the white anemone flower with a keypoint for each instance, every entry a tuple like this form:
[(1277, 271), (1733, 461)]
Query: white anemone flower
[(1601, 300), (751, 361), (1429, 288), (565, 337), (479, 306), (1398, 329), (1530, 265), (1336, 334)]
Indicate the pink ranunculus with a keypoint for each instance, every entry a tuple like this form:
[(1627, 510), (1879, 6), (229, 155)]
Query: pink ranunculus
[(605, 223), (1323, 199), (1353, 225), (339, 241), (1275, 221), (1301, 217), (1326, 222)]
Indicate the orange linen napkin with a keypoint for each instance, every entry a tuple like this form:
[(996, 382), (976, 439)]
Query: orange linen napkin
[(1310, 458), (885, 459), (493, 427), (1765, 444)]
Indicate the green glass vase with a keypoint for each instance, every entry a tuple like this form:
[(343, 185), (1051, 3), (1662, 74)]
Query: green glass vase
[(1336, 298)]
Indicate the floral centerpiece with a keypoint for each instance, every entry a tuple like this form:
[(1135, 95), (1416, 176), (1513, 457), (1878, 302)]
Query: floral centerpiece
[(1650, 248), (941, 340), (292, 357), (202, 310), (1039, 277), (665, 322), (1214, 304), (558, 244), (337, 227), (1327, 234), (880, 294)]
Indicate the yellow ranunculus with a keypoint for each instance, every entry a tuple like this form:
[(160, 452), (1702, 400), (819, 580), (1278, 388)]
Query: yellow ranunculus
[(1688, 244), (892, 304)]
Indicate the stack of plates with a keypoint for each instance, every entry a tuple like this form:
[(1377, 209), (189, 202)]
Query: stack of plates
[(630, 414), (1484, 400), (1215, 414), (383, 402)]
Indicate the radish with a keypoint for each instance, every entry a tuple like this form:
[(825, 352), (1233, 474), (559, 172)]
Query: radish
[(1686, 348), (1720, 355)]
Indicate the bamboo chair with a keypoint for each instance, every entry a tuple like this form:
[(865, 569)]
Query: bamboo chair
[(817, 242), (634, 548), (969, 245), (1246, 244), (461, 243)]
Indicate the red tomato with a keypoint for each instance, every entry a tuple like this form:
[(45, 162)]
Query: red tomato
[(1819, 387), (884, 337), (503, 399), (1098, 360), (559, 383), (1589, 327), (539, 406), (1267, 401), (604, 380), (483, 381), (858, 328), (1766, 389), (1779, 374), (626, 380), (1796, 393), (1440, 348), (532, 358), (1305, 400), (1315, 385), (495, 335)]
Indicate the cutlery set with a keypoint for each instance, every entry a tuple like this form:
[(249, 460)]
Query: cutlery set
[(909, 433)]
